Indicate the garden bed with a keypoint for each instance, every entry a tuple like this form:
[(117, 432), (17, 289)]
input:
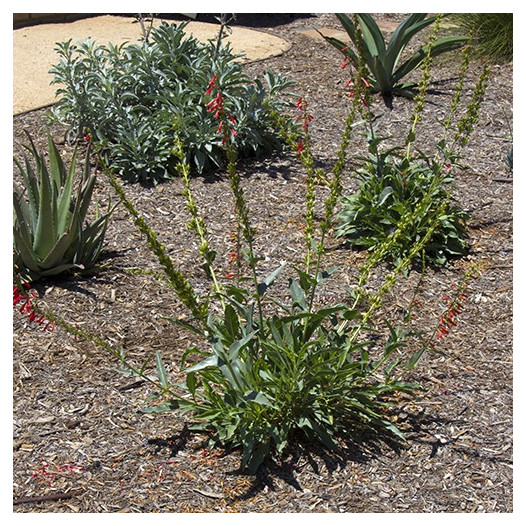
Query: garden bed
[(76, 426)]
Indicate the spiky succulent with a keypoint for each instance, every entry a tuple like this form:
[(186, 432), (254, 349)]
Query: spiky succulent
[(382, 59), (50, 231)]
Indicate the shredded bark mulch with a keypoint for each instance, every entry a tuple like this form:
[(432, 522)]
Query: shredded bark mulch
[(79, 444)]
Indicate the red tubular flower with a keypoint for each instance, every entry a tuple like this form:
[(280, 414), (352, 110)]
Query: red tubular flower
[(27, 306), (365, 83), (306, 121), (216, 105), (233, 122), (300, 148), (211, 85)]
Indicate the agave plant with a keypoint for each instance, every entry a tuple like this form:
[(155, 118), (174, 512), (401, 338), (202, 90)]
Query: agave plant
[(50, 232), (382, 59)]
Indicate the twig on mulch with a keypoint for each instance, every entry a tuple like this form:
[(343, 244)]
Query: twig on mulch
[(48, 497)]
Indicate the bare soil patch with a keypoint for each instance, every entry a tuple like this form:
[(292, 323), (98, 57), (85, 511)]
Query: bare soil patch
[(76, 427)]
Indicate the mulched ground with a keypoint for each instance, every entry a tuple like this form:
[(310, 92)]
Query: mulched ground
[(76, 427)]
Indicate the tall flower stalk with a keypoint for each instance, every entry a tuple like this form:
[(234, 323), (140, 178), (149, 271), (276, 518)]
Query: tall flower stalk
[(196, 223), (423, 86), (226, 128), (176, 278)]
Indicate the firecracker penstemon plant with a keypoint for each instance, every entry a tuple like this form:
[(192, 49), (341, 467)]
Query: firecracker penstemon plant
[(269, 368)]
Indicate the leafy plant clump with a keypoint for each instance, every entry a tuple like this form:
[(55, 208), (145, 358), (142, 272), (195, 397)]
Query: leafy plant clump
[(134, 101), (390, 190), (266, 378), (50, 231), (384, 73)]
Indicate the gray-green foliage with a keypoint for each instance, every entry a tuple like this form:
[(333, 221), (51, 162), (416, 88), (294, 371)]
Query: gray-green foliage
[(385, 73), (51, 234), (135, 100)]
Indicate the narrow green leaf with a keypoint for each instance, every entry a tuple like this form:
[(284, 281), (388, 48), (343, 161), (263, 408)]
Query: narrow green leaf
[(161, 371)]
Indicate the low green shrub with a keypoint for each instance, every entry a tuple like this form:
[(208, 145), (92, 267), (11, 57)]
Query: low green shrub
[(259, 383), (134, 100), (50, 231), (392, 189)]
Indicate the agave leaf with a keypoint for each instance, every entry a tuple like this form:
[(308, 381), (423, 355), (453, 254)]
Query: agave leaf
[(22, 212), (442, 45), (56, 165), (64, 201), (342, 46), (55, 271), (382, 81), (350, 29), (55, 255), (372, 35), (402, 35), (85, 191), (31, 187), (44, 235), (91, 239), (24, 249)]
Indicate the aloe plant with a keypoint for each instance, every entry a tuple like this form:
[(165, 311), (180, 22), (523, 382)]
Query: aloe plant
[(382, 59), (50, 231)]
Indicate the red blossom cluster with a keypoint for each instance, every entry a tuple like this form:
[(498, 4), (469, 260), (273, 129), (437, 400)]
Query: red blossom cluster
[(24, 298), (455, 305), (301, 104), (216, 106), (233, 257), (346, 59), (351, 82), (307, 118)]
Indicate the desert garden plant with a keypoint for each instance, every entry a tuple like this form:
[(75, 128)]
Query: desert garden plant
[(389, 189), (385, 74), (396, 184), (51, 232), (133, 100), (270, 367)]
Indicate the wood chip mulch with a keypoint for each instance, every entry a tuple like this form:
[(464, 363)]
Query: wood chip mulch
[(79, 444)]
